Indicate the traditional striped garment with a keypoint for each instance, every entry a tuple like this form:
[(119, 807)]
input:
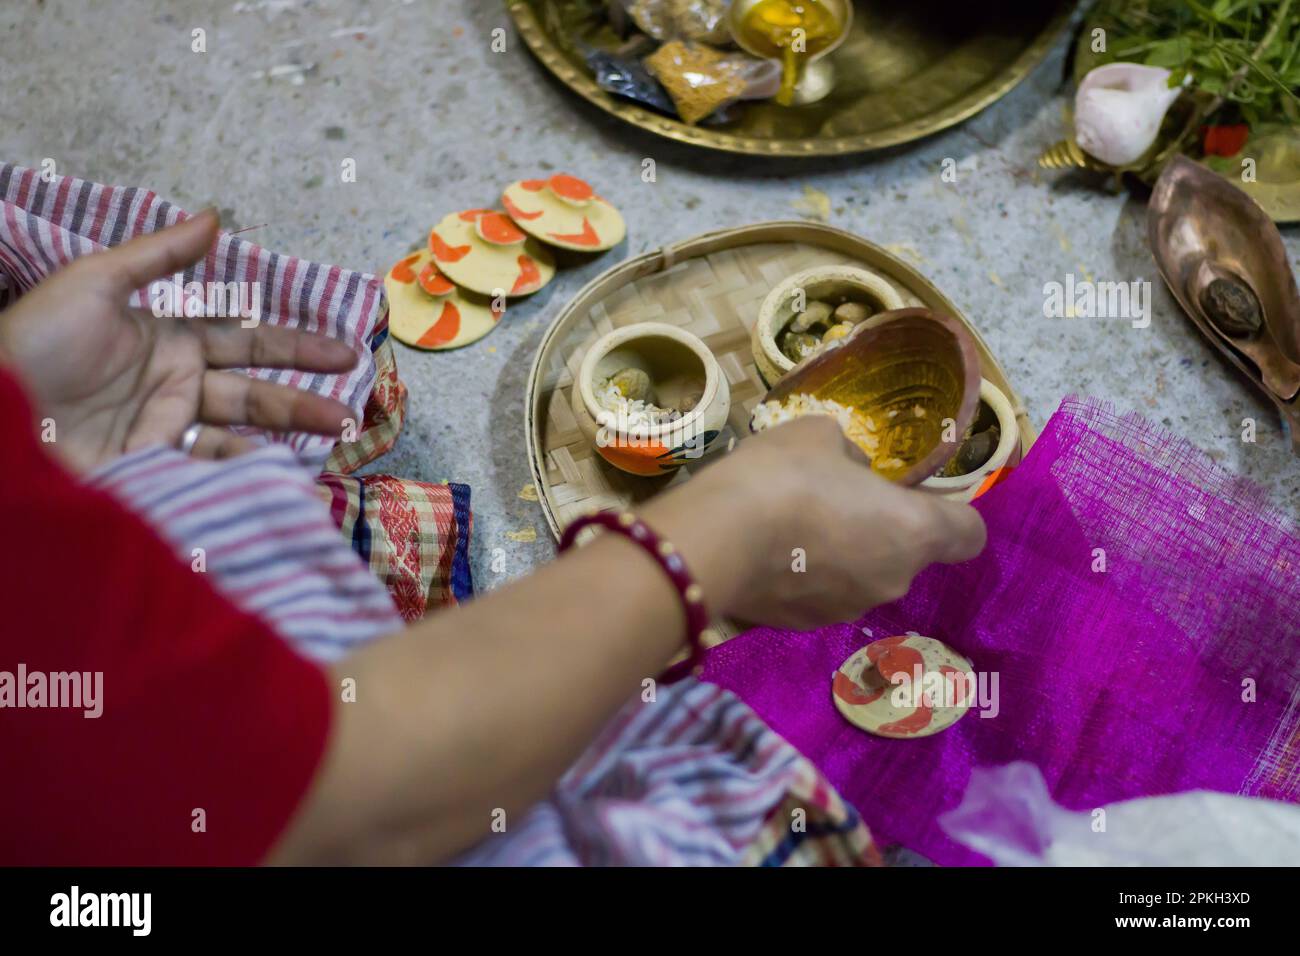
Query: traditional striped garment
[(257, 525), (692, 778)]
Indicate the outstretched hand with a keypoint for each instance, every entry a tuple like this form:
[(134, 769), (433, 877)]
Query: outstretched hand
[(114, 379)]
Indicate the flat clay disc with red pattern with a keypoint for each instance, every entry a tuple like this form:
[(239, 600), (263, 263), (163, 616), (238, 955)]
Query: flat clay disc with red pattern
[(902, 687), (484, 251), (426, 310), (564, 211)]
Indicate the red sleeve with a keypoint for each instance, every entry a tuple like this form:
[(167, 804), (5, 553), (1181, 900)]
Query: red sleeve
[(211, 726)]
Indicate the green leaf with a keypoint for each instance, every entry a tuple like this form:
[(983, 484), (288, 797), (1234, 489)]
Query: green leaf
[(1217, 43), (1174, 52)]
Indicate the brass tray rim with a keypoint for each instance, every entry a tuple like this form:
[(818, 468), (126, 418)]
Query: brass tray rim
[(975, 101), (657, 260)]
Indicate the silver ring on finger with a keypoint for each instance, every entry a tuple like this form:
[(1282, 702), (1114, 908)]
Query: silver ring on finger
[(190, 438)]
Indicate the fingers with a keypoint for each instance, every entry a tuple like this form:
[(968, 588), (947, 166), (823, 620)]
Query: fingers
[(230, 398), (808, 434), (950, 532), (821, 433), (929, 527), (969, 533), (133, 265), (230, 345), (218, 443), (956, 530)]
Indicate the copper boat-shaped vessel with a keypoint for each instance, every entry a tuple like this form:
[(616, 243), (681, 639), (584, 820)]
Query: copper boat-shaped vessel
[(1225, 263)]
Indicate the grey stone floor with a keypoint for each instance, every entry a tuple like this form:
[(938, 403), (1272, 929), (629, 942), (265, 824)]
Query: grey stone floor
[(259, 125)]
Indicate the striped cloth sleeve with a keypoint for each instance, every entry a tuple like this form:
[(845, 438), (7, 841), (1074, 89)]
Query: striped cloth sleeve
[(257, 526)]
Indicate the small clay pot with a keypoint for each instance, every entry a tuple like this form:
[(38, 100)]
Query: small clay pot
[(818, 284), (681, 370), (966, 487)]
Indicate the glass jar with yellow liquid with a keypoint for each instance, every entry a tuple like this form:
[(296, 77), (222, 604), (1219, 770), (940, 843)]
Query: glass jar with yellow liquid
[(798, 33)]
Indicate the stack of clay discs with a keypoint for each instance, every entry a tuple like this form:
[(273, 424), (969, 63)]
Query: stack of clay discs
[(564, 211), (907, 686), (454, 291), (427, 310)]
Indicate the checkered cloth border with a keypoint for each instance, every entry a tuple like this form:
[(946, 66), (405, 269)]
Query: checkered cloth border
[(385, 412), (413, 535)]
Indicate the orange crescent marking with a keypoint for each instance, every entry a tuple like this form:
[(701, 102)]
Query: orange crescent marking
[(638, 459), (846, 690), (434, 282), (570, 187), (899, 659), (892, 656), (916, 721), (497, 229), (877, 648), (444, 330), (402, 271), (952, 679), (516, 212), (530, 277), (534, 185), (443, 252), (469, 215), (587, 237)]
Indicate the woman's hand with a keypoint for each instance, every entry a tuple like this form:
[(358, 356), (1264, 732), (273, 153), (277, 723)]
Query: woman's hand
[(114, 379), (816, 535)]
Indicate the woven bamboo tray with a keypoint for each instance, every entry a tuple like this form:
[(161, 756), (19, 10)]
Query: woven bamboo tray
[(710, 285)]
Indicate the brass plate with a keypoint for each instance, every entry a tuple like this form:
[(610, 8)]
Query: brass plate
[(1276, 183), (907, 70)]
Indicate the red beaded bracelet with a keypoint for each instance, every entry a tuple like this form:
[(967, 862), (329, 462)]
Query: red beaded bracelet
[(692, 595)]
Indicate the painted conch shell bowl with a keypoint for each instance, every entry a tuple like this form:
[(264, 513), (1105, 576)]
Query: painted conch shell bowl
[(1225, 263), (915, 374), (657, 365)]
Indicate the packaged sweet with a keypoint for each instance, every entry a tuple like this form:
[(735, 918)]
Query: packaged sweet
[(701, 80), (703, 21)]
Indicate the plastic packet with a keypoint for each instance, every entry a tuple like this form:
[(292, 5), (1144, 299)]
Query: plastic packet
[(625, 76), (1008, 815), (701, 21), (701, 80)]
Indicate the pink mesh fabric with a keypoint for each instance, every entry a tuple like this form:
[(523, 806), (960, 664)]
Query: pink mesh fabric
[(1176, 667)]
